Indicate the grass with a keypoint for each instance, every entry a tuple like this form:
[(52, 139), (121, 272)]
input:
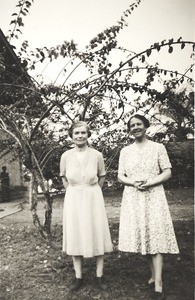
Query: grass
[(33, 269)]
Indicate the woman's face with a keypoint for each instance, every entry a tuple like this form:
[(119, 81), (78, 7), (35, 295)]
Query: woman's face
[(80, 136), (137, 128)]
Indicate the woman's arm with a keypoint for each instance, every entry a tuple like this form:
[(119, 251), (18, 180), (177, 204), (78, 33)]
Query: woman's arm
[(122, 178), (164, 176), (65, 182), (63, 170), (125, 180), (101, 180)]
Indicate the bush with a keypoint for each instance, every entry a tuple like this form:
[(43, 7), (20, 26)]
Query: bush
[(181, 155)]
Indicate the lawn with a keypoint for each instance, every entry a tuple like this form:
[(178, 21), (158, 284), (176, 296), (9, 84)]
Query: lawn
[(31, 268)]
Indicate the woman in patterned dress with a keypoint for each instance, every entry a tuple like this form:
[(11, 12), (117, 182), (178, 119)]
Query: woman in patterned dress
[(85, 225), (145, 222)]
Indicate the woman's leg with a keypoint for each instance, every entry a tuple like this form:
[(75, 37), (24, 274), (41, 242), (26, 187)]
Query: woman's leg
[(77, 263), (152, 278), (99, 272), (99, 265), (157, 260)]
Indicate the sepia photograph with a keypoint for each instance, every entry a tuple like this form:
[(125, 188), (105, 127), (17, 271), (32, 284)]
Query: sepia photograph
[(97, 149)]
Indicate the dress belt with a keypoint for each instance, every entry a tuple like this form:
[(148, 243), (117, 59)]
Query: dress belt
[(83, 184)]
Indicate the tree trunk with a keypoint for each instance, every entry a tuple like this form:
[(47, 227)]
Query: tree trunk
[(45, 230), (48, 213), (33, 200)]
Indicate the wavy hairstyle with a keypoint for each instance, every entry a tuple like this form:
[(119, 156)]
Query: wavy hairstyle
[(79, 124), (140, 117)]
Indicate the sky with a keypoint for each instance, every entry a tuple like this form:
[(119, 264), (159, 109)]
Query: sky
[(51, 22)]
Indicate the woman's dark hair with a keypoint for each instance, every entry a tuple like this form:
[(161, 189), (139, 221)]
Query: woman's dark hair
[(79, 124), (140, 117)]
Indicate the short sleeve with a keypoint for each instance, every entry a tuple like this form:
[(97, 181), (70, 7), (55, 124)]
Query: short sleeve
[(101, 165), (163, 158), (63, 166), (121, 167)]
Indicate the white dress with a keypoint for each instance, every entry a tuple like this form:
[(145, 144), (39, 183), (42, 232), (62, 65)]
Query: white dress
[(145, 221), (85, 224)]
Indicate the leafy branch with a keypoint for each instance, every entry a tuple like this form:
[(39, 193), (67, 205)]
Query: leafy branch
[(18, 18), (156, 46)]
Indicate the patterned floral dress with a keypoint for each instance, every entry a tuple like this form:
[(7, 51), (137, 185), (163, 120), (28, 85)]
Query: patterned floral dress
[(85, 225), (145, 221)]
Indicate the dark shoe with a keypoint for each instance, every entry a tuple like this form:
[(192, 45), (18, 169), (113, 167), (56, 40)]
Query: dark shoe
[(147, 286), (101, 284), (159, 296), (78, 283)]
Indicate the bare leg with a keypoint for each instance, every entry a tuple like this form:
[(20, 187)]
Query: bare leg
[(99, 272), (77, 263), (157, 260), (99, 265), (152, 278)]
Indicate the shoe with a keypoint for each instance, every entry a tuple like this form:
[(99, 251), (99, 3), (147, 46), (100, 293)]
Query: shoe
[(147, 286), (159, 296), (101, 284), (76, 286)]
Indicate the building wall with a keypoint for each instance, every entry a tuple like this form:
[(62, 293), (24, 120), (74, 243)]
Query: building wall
[(12, 161), (13, 168)]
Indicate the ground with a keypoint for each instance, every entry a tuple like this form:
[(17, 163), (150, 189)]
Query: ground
[(32, 268)]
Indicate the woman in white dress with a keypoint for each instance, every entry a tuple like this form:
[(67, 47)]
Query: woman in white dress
[(145, 222), (85, 225)]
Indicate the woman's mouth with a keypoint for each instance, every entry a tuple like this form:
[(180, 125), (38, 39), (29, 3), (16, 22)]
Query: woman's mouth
[(137, 131)]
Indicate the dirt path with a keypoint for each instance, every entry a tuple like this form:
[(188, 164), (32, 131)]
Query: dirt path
[(15, 212)]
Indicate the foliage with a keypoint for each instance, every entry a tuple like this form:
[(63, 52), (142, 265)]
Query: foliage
[(17, 21), (105, 95), (178, 112), (182, 159)]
